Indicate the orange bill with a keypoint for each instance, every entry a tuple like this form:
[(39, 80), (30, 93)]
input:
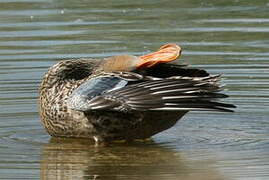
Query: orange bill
[(166, 53)]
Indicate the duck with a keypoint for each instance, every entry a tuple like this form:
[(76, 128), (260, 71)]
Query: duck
[(125, 97)]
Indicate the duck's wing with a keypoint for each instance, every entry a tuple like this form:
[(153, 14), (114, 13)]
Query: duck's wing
[(82, 99), (144, 93)]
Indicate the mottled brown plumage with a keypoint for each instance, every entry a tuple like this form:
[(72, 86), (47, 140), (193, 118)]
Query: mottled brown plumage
[(124, 97)]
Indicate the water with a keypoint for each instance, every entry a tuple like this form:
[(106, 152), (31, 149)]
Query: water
[(229, 37)]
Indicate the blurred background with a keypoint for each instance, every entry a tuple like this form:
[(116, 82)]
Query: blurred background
[(225, 36)]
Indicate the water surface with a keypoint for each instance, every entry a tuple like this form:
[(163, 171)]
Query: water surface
[(228, 37)]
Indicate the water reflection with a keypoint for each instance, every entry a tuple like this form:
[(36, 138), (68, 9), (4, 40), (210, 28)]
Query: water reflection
[(78, 159)]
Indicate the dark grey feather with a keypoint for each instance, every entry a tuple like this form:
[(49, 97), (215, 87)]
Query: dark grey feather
[(86, 94), (114, 93)]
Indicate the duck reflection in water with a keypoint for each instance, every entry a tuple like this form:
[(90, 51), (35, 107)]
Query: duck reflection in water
[(78, 159)]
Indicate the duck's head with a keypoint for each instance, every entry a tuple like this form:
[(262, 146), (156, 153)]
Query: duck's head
[(166, 53)]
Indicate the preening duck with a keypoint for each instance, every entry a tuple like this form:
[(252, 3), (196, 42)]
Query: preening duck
[(124, 97)]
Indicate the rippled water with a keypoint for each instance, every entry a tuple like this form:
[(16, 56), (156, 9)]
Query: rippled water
[(229, 37)]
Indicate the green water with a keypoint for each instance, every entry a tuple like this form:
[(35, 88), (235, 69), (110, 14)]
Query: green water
[(228, 37)]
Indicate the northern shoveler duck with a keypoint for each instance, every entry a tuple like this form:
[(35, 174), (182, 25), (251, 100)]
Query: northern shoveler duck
[(124, 97)]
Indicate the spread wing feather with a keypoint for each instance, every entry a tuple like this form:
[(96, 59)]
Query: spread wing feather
[(164, 94)]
